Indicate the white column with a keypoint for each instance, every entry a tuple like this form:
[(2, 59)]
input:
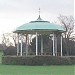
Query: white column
[(17, 44), (21, 44), (41, 45), (53, 45), (61, 44), (36, 43), (26, 45)]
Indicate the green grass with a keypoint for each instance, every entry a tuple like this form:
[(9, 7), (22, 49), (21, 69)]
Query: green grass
[(36, 70)]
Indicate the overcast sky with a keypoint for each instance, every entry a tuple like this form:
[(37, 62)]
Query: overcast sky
[(14, 13)]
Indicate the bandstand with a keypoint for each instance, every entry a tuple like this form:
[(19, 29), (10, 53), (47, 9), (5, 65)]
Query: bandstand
[(40, 27)]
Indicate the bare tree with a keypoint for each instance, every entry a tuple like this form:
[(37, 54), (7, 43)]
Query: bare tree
[(6, 39), (14, 38), (3, 39), (68, 24)]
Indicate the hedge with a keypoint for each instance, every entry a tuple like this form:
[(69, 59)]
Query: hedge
[(38, 60)]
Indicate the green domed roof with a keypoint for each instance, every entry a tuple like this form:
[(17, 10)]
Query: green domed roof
[(39, 25)]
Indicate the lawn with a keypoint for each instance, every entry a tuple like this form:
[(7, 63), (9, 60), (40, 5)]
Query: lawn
[(35, 70)]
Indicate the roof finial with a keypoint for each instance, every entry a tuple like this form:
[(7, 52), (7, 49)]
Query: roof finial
[(39, 12)]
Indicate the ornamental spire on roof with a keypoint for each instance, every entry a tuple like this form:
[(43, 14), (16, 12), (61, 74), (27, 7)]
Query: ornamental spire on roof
[(39, 18), (39, 12)]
